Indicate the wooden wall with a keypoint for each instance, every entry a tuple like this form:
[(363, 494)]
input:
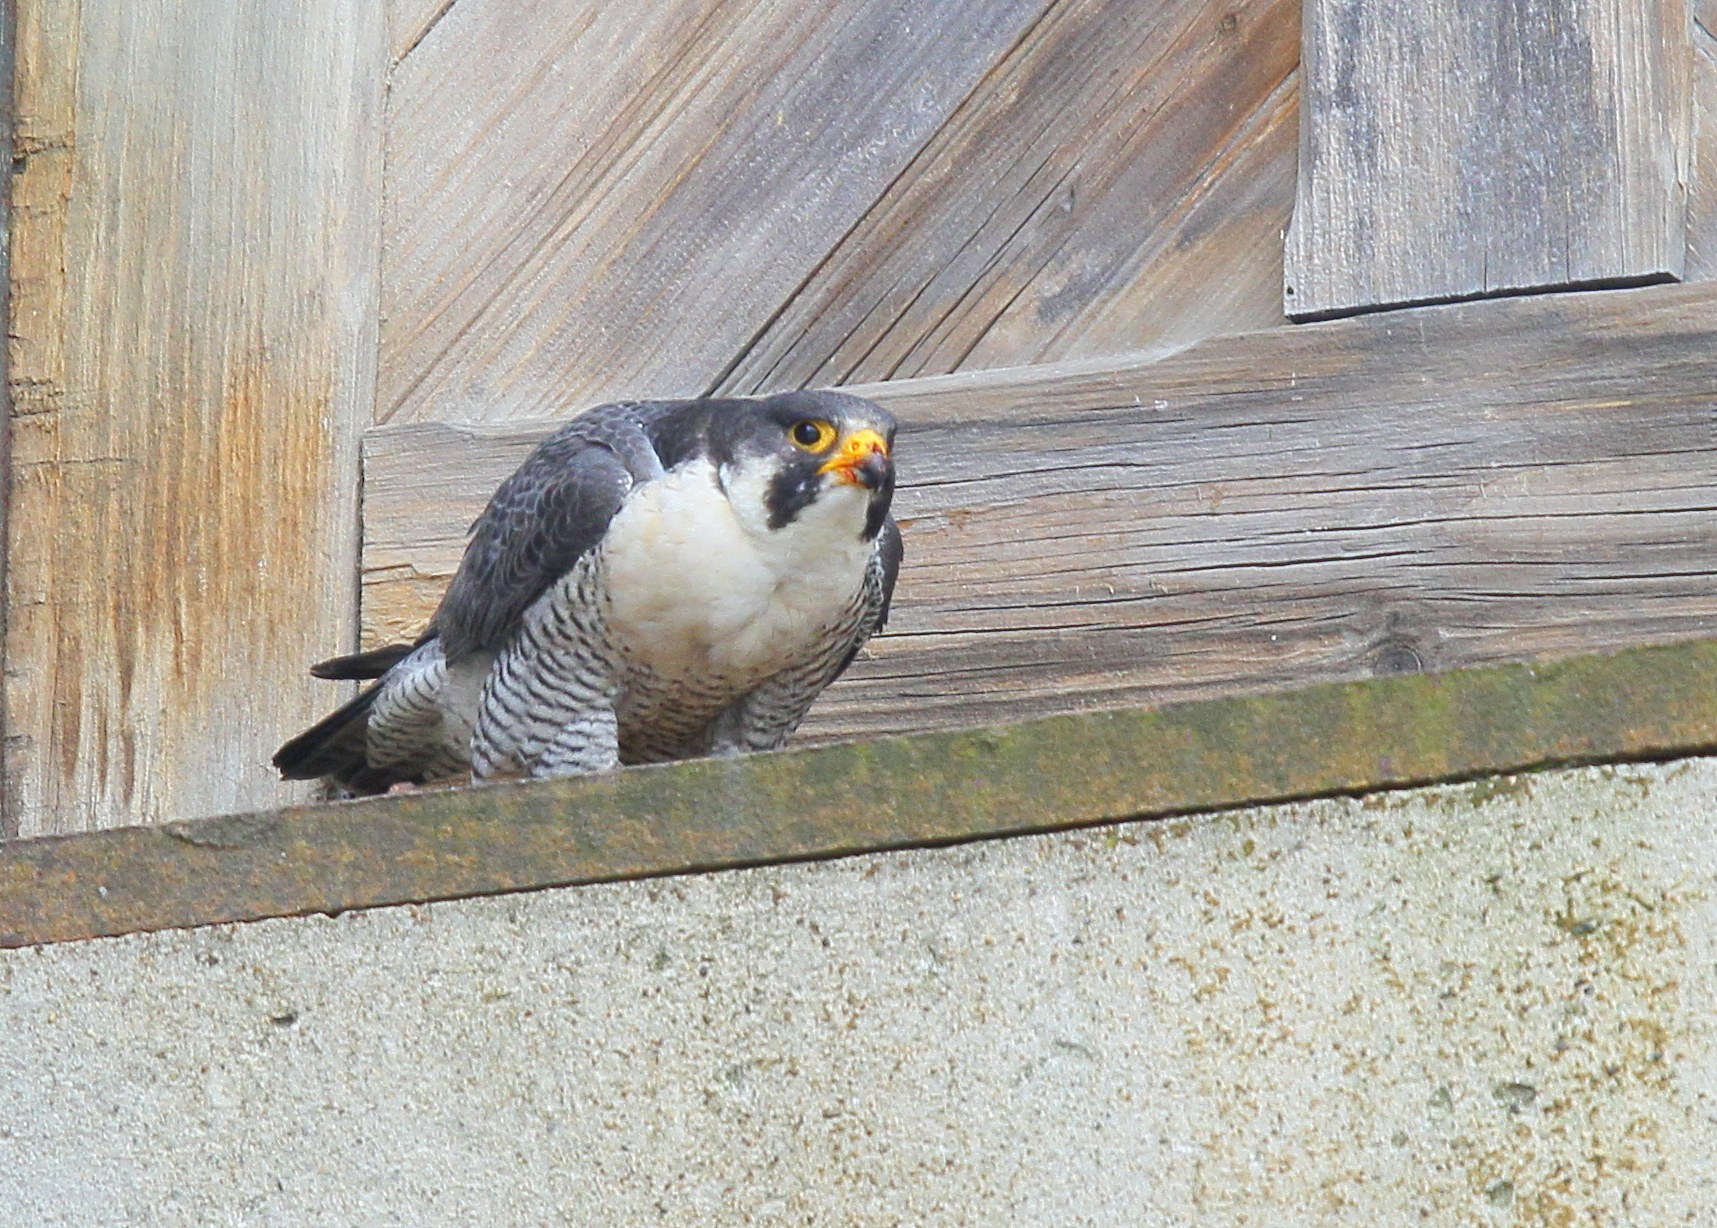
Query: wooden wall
[(233, 255), (240, 241)]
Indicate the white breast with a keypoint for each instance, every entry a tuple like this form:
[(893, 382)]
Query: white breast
[(699, 590)]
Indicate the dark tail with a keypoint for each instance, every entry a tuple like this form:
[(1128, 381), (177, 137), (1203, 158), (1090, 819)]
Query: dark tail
[(371, 664), (336, 747), (333, 746)]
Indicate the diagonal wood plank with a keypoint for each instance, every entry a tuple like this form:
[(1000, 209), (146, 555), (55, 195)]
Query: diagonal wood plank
[(1422, 490), (189, 365), (617, 203), (1454, 150), (1121, 181)]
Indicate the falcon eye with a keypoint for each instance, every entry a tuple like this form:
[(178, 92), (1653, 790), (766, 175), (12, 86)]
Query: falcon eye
[(811, 434)]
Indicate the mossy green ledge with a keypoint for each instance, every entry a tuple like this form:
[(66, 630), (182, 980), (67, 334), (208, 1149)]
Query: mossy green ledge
[(1065, 771)]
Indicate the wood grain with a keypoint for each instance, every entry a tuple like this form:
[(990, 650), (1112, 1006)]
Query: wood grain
[(1452, 150), (618, 203), (190, 360), (9, 148), (1120, 181), (1419, 490), (409, 23), (1702, 152)]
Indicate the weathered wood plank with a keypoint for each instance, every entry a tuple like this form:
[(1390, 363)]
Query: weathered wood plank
[(619, 202), (9, 150), (1422, 490), (190, 361), (1119, 182), (1452, 150)]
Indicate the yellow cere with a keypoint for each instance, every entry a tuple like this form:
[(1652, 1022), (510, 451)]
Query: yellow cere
[(859, 446)]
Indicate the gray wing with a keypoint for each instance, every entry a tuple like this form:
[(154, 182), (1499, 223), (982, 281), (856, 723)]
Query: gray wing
[(890, 550), (885, 566), (553, 509)]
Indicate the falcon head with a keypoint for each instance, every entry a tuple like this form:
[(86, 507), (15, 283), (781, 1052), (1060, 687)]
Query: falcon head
[(802, 457)]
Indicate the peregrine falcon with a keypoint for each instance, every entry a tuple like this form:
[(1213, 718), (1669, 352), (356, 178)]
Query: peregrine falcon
[(659, 580)]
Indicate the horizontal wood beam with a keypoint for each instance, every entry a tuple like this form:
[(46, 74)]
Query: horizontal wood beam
[(891, 793), (1424, 490)]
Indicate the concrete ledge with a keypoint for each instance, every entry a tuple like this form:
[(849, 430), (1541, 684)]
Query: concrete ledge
[(1475, 1004), (1043, 775)]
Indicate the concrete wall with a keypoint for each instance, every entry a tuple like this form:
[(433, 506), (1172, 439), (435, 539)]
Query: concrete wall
[(1479, 1004)]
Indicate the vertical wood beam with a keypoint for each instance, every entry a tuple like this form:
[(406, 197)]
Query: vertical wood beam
[(8, 150), (191, 362), (1453, 150)]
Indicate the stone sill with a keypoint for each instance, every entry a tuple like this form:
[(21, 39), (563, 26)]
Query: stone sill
[(891, 793)]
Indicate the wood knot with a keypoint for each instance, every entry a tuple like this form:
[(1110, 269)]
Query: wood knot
[(1397, 654)]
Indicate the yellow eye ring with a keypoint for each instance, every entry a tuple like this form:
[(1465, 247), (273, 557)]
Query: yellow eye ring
[(811, 434)]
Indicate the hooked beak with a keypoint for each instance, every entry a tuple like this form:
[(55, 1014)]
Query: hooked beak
[(861, 461)]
